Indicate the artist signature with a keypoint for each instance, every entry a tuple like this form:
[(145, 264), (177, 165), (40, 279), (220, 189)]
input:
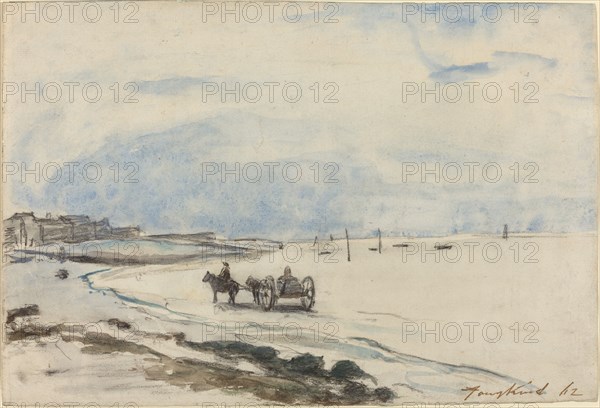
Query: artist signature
[(523, 389)]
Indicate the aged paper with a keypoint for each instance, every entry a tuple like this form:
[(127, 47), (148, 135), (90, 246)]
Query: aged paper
[(299, 203)]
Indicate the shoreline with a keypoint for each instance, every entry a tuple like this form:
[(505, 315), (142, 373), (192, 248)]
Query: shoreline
[(164, 300)]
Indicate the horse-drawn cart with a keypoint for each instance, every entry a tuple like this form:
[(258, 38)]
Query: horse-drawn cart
[(269, 292)]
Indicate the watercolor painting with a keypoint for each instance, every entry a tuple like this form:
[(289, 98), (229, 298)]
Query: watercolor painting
[(294, 203)]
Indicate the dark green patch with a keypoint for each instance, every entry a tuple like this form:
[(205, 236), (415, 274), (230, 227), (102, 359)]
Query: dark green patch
[(27, 310), (320, 386), (119, 323), (299, 380), (347, 369), (307, 364)]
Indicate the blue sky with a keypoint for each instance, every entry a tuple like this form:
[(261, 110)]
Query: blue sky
[(368, 136)]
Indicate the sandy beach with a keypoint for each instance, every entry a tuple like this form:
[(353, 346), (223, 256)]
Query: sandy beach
[(416, 320)]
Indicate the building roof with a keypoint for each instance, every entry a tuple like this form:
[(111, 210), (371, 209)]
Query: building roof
[(21, 215), (75, 219)]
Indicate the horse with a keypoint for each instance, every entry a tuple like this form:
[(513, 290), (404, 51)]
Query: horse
[(219, 285), (254, 284)]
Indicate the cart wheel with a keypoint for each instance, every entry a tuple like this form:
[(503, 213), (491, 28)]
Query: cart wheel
[(266, 293), (308, 293)]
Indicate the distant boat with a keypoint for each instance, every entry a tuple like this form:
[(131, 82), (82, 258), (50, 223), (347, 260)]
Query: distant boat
[(21, 258), (400, 245), (446, 246), (373, 249)]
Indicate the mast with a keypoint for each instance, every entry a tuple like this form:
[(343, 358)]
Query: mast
[(348, 244)]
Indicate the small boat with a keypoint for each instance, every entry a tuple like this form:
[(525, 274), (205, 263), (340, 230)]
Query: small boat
[(21, 258)]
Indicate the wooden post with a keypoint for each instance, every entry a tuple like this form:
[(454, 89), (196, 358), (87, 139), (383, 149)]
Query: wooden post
[(315, 243), (348, 244), (505, 233), (22, 233), (379, 233)]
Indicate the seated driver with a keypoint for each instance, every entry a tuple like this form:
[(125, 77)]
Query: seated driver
[(285, 279), (225, 273)]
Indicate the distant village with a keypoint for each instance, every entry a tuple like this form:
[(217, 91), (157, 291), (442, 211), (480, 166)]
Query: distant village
[(24, 229)]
